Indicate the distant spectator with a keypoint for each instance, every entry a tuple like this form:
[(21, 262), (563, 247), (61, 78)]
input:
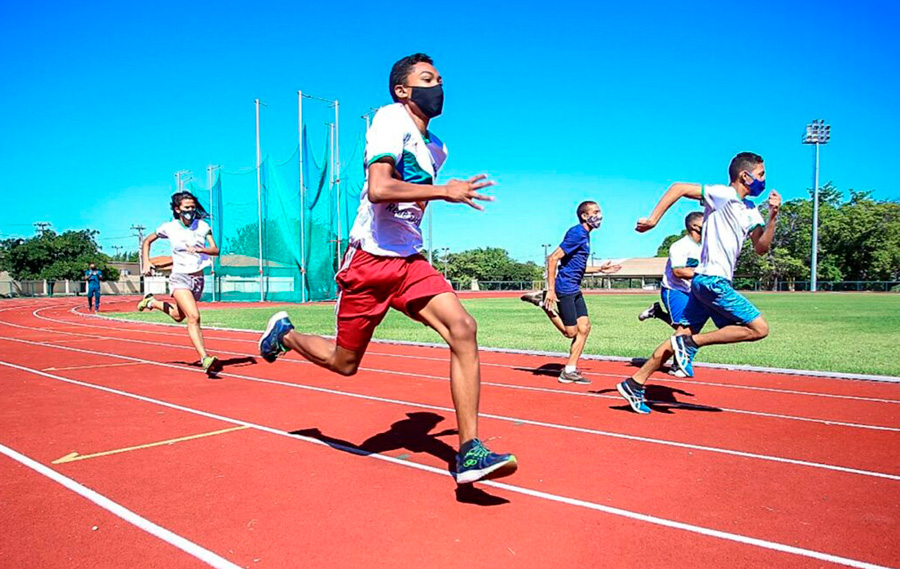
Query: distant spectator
[(92, 276)]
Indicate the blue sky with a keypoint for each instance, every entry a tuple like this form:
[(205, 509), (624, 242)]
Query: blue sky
[(102, 102)]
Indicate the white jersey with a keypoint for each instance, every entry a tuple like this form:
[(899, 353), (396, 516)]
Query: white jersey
[(727, 221), (683, 254), (180, 238), (391, 229)]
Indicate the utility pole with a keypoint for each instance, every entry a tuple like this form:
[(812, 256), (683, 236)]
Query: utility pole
[(118, 248), (817, 133), (140, 235), (41, 227)]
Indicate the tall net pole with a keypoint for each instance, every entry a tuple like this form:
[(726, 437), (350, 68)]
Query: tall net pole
[(210, 172), (262, 293), (302, 199), (337, 173)]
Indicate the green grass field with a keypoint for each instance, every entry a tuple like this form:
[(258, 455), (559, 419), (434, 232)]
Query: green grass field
[(831, 331)]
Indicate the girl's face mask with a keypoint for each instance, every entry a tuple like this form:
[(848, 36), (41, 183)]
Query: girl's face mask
[(187, 215)]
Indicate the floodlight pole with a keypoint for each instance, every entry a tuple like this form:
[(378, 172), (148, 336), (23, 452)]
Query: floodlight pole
[(814, 261), (817, 133), (262, 293), (302, 199)]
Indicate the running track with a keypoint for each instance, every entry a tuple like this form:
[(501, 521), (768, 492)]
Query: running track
[(286, 465)]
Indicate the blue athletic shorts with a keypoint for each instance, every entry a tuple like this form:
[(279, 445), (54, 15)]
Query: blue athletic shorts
[(714, 297), (674, 302)]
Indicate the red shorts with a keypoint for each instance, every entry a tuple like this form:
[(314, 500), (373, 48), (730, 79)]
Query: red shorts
[(370, 285)]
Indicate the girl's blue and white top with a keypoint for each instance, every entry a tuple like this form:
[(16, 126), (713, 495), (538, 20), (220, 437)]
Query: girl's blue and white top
[(391, 229), (180, 238), (727, 221), (683, 254)]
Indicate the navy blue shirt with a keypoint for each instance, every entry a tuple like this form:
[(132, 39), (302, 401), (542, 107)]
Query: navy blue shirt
[(577, 247), (93, 278)]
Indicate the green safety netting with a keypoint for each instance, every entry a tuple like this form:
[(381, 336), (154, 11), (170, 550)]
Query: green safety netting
[(298, 252)]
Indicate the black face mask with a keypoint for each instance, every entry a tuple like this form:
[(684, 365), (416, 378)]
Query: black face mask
[(430, 100)]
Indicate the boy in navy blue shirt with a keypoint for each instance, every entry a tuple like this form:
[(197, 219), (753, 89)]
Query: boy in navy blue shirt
[(564, 286)]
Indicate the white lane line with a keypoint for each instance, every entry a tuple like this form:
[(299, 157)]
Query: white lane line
[(514, 420), (828, 422), (116, 509), (662, 378), (761, 543), (92, 366)]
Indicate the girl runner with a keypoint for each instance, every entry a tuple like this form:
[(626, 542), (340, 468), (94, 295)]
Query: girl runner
[(192, 245)]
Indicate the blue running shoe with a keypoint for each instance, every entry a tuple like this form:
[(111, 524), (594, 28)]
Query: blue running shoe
[(270, 346), (475, 462), (635, 398), (684, 355)]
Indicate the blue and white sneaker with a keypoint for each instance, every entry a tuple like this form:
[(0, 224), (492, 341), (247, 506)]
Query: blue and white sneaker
[(479, 463), (270, 346), (635, 398), (684, 355)]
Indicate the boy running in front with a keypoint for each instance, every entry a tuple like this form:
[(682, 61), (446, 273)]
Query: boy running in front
[(729, 217), (564, 287), (383, 267)]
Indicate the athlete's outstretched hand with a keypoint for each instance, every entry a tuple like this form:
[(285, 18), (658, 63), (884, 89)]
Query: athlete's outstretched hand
[(466, 191), (608, 268), (774, 203), (148, 268), (645, 224)]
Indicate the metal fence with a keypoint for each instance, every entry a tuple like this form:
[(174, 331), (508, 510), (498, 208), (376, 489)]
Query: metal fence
[(825, 286), (158, 285), (651, 284)]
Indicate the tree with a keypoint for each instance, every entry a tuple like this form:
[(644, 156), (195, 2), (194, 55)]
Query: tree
[(490, 264), (126, 257), (663, 250), (53, 256)]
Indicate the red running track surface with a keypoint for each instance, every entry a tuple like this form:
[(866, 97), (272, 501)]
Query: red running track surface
[(287, 465)]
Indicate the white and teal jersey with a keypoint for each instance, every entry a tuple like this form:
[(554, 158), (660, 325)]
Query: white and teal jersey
[(727, 221), (683, 254), (391, 229)]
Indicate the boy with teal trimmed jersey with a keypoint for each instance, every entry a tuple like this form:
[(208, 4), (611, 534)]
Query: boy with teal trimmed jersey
[(729, 218), (383, 267)]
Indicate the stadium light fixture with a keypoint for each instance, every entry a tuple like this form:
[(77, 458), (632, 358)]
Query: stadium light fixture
[(817, 133)]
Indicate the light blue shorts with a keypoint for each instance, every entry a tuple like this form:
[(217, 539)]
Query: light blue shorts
[(674, 302), (714, 297)]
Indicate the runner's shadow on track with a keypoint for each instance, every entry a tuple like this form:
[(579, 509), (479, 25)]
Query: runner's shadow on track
[(412, 434), (662, 399), (549, 370), (227, 362)]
